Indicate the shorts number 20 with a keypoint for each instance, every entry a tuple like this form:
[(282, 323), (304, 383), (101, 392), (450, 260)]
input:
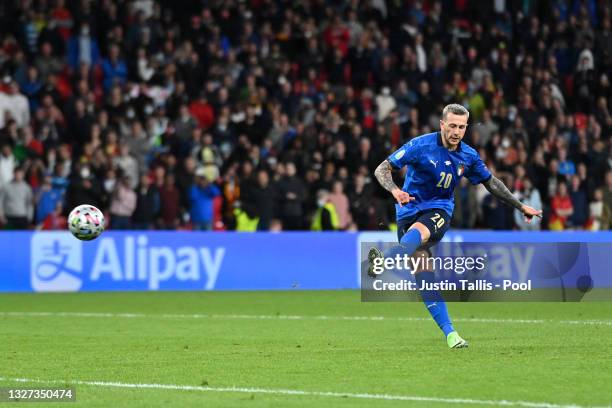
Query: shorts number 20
[(438, 220)]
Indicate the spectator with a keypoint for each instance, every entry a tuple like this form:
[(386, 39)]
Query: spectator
[(114, 68), (147, 204), (58, 177), (140, 144), (263, 200), (325, 217), (566, 166), (62, 18), (16, 105), (586, 183), (169, 203), (341, 204), (127, 164), (465, 205), (529, 196), (115, 107), (601, 214), (80, 123), (337, 36), (16, 202), (578, 196), (385, 104), (32, 87), (83, 188), (208, 162), (185, 177), (292, 194), (47, 199), (46, 63), (183, 127), (7, 164), (202, 194), (146, 70), (360, 197), (51, 116), (202, 111), (561, 207), (495, 214), (123, 204), (83, 49), (55, 220)]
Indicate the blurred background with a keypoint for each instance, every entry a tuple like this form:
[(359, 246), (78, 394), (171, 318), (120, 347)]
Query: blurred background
[(272, 115)]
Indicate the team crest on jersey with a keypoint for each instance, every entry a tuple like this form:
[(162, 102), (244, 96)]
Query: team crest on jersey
[(460, 169)]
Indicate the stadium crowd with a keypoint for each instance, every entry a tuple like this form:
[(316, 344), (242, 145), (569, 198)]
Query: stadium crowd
[(273, 114)]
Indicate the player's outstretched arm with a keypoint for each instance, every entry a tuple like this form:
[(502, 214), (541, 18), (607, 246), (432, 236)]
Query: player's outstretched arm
[(499, 190), (384, 177)]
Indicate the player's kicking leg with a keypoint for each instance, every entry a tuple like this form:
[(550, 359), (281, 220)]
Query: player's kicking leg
[(373, 254)]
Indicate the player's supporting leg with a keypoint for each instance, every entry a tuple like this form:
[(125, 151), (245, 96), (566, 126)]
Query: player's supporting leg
[(436, 305)]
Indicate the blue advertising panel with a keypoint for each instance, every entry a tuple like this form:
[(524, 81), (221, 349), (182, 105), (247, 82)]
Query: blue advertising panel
[(156, 260), (56, 261)]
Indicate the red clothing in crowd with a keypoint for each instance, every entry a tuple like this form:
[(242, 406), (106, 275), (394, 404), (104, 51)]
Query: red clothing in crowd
[(338, 37), (54, 221), (560, 203), (203, 113), (64, 20)]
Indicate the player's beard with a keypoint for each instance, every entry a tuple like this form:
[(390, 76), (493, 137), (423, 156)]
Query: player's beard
[(450, 142)]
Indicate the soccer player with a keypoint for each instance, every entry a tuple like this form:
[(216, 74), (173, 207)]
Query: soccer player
[(436, 162)]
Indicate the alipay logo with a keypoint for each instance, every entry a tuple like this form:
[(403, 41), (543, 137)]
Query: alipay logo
[(60, 263), (56, 262), (151, 265)]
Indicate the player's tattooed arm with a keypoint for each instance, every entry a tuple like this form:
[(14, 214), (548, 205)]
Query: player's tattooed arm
[(384, 177), (499, 190)]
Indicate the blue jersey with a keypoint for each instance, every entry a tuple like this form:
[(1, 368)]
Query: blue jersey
[(434, 171)]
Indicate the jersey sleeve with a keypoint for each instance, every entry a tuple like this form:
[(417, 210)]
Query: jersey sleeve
[(404, 155), (477, 172)]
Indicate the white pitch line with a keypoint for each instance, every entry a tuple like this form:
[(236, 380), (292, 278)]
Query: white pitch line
[(251, 390), (296, 317)]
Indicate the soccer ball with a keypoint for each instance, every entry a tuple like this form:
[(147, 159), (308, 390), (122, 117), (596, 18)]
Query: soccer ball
[(86, 222)]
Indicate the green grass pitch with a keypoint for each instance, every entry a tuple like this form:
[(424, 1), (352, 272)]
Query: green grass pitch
[(303, 349)]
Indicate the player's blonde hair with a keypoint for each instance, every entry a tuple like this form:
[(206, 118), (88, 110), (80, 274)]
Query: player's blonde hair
[(456, 109)]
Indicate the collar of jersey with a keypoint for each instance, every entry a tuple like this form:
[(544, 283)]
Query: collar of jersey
[(442, 144)]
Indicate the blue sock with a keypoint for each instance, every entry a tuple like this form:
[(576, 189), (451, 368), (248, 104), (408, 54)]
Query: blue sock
[(408, 244), (434, 302), (411, 241)]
